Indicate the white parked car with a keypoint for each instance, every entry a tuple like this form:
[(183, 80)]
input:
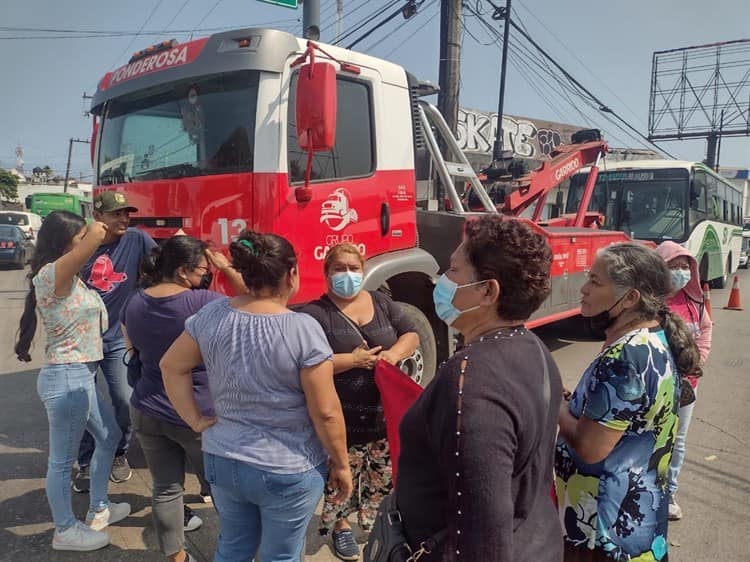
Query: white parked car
[(743, 259), (29, 223)]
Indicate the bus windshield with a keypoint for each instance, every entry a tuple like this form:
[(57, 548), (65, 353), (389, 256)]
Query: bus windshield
[(648, 204), (205, 126)]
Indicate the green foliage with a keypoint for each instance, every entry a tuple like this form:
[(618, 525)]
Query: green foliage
[(8, 186)]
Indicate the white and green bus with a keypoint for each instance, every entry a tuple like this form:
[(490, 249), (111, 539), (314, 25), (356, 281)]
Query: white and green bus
[(659, 200)]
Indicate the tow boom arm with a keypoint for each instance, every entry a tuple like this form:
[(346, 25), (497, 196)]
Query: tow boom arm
[(566, 161)]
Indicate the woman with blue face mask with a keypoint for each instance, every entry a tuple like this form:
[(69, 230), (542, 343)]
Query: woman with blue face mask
[(475, 468), (362, 327)]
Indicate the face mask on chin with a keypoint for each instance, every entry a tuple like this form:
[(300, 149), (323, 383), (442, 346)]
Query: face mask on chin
[(600, 322)]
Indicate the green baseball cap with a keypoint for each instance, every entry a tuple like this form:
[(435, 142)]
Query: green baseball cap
[(111, 201)]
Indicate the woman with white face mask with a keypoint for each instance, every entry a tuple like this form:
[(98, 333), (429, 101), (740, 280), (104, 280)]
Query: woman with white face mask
[(362, 327), (475, 467), (687, 302)]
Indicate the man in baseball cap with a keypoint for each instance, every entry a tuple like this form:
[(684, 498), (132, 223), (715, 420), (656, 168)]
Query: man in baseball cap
[(111, 201), (113, 272)]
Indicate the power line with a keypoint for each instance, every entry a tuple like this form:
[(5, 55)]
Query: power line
[(174, 17), (583, 64), (379, 25), (602, 107), (208, 13), (412, 35), (362, 23), (352, 11), (588, 98), (398, 28), (143, 32), (143, 26)]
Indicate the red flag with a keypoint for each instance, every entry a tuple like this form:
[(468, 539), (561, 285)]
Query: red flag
[(397, 392)]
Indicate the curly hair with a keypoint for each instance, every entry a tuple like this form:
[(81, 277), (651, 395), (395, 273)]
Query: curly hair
[(510, 251), (633, 266)]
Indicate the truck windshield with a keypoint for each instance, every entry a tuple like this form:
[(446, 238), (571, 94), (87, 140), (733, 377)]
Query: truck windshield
[(645, 204), (205, 126)]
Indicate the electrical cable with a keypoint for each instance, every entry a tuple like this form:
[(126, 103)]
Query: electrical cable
[(174, 17), (412, 35), (602, 107), (352, 11), (208, 13), (583, 64), (365, 20), (399, 27), (123, 33), (588, 98)]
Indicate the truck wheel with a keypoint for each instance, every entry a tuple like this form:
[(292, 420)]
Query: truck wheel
[(423, 362)]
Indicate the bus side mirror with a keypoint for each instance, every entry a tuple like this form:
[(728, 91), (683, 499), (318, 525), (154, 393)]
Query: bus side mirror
[(316, 115), (695, 190)]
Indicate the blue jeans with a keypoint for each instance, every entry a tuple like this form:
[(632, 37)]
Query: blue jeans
[(678, 453), (116, 374), (262, 515), (69, 395)]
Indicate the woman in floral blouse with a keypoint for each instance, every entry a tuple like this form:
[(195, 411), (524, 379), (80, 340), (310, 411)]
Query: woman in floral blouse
[(74, 319), (617, 429)]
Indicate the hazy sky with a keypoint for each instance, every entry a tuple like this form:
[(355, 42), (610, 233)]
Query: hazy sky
[(605, 45)]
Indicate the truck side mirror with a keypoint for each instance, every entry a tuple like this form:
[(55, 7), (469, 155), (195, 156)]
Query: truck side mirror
[(94, 133), (316, 114)]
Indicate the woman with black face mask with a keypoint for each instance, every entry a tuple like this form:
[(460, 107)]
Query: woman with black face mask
[(174, 285), (617, 428)]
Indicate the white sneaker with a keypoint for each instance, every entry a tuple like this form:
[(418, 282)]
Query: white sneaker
[(675, 511), (80, 538), (112, 514)]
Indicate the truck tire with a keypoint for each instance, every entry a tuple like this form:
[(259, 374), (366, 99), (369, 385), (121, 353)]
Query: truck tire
[(423, 362)]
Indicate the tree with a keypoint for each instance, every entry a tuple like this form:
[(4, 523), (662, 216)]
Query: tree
[(48, 171), (8, 186)]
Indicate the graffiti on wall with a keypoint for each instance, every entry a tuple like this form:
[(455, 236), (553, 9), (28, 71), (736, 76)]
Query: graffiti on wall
[(476, 133)]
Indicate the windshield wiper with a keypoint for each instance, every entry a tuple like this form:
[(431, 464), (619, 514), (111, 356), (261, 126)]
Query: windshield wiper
[(114, 176), (171, 172)]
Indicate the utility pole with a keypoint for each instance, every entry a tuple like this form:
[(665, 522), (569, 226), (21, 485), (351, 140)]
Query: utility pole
[(67, 167), (497, 148), (311, 19), (450, 61), (339, 19)]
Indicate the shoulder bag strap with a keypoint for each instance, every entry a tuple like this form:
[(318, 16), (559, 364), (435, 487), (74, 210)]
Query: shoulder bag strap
[(346, 319)]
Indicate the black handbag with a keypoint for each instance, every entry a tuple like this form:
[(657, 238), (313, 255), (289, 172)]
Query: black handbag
[(387, 540), (134, 366), (687, 393)]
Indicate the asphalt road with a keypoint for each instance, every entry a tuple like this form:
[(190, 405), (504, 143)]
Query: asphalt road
[(714, 490)]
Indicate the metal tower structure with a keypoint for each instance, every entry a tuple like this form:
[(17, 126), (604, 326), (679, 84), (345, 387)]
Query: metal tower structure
[(19, 159), (701, 92)]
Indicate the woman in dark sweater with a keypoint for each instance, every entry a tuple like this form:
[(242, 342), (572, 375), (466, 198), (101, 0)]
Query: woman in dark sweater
[(362, 327), (476, 447)]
